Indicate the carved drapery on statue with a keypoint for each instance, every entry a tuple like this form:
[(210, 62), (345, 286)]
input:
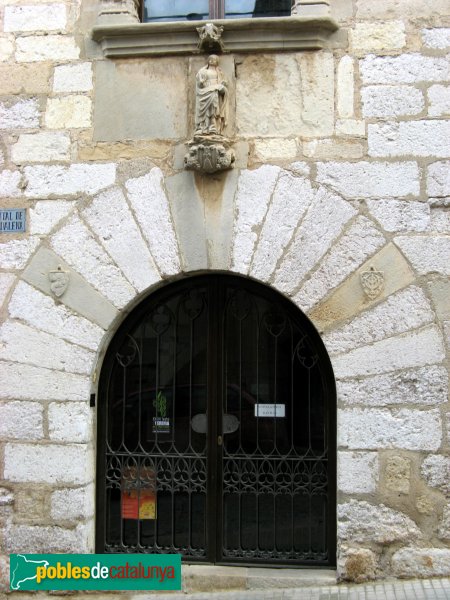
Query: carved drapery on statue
[(209, 150), (211, 107)]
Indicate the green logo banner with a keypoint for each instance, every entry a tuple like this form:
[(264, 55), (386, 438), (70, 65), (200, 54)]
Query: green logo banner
[(107, 572)]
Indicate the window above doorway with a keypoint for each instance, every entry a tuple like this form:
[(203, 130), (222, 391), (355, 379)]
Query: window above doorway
[(129, 28)]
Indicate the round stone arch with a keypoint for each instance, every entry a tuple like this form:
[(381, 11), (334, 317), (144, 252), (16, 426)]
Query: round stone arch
[(274, 225)]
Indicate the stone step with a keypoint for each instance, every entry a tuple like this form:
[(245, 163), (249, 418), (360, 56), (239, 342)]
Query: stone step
[(209, 578)]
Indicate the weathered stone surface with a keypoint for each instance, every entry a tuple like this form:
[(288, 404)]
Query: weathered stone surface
[(352, 127), (414, 349), (291, 198), (150, 96), (440, 221), (391, 9), (10, 184), (111, 220), (438, 178), (371, 429), (35, 48), (357, 472), (360, 241), (73, 504), (73, 78), (421, 562), (6, 282), (426, 385), (397, 475), (79, 297), (6, 48), (188, 213), (21, 420), (91, 261), (403, 311), (371, 180), (324, 222), (34, 383), (35, 539), (357, 564), (20, 343), (425, 505), (391, 101), (70, 422), (123, 150), (346, 87), (444, 525), (15, 254), (151, 208), (23, 78), (43, 181), (317, 96), (46, 214), (430, 254), (51, 463), (44, 146), (400, 215), (218, 196), (23, 114), (275, 149), (438, 100), (436, 472), (412, 138), (364, 522), (377, 37), (41, 312), (407, 68), (68, 112), (4, 574), (269, 85), (43, 17), (438, 38), (333, 148), (253, 195)]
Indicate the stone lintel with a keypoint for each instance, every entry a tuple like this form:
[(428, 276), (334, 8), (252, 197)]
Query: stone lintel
[(239, 35)]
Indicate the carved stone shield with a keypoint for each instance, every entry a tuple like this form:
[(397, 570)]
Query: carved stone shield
[(59, 280), (372, 283)]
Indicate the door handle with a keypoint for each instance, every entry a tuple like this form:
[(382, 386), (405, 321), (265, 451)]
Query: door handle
[(219, 440)]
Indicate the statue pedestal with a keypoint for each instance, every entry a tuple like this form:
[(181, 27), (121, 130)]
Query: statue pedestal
[(209, 154)]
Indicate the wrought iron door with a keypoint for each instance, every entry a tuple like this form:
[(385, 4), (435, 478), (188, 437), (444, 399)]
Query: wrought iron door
[(216, 429)]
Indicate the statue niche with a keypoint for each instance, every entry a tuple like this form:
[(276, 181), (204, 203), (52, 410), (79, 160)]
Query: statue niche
[(209, 150)]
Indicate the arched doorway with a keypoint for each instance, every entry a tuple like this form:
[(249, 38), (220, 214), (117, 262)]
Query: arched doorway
[(216, 429)]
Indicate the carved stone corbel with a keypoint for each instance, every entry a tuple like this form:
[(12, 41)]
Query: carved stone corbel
[(210, 38), (209, 154)]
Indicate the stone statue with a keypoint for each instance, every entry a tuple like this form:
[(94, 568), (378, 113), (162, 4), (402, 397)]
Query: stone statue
[(211, 99), (209, 150)]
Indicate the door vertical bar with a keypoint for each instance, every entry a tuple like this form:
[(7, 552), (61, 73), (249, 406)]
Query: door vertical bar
[(212, 453)]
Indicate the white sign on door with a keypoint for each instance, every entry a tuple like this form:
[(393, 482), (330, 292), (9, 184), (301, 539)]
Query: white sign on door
[(270, 410)]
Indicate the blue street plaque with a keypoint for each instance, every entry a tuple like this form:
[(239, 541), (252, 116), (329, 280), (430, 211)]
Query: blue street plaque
[(12, 220)]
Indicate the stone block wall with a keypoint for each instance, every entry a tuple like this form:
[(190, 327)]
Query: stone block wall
[(342, 167)]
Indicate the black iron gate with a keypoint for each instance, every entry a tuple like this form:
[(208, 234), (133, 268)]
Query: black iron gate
[(216, 429)]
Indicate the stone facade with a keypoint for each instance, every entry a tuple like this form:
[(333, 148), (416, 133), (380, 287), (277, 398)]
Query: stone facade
[(342, 167)]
